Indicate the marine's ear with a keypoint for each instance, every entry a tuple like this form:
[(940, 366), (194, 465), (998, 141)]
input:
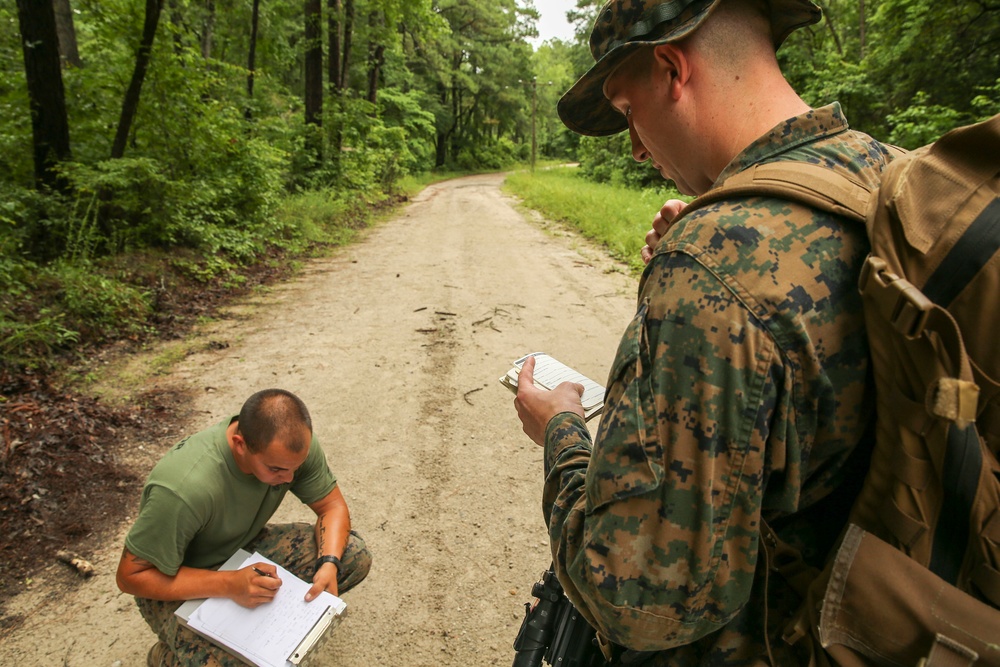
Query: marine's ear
[(672, 67), (240, 444)]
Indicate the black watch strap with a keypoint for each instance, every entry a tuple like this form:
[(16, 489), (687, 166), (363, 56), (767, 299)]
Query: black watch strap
[(323, 560)]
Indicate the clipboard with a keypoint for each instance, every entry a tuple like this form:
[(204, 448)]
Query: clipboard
[(329, 619)]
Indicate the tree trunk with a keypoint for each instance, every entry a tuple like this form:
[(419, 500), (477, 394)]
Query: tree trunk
[(829, 24), (375, 61), (67, 33), (252, 57), (46, 96), (862, 29), (131, 102), (314, 74), (376, 55), (345, 64), (334, 74), (314, 62), (455, 133), (208, 30), (177, 23), (441, 152)]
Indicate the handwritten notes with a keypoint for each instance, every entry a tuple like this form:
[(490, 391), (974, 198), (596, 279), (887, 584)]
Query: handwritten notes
[(270, 633)]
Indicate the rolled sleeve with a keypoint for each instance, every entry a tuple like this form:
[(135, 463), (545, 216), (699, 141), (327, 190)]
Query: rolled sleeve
[(162, 531)]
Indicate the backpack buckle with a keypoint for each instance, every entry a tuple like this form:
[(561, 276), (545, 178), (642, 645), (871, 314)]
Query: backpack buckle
[(898, 300)]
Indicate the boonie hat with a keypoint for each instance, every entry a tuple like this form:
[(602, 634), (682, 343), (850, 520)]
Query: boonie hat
[(623, 26)]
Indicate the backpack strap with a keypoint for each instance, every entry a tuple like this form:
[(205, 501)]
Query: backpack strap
[(810, 184)]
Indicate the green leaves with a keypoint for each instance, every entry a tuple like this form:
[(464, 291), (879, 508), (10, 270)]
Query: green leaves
[(904, 70)]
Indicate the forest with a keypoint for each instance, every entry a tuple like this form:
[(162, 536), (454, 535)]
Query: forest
[(148, 145)]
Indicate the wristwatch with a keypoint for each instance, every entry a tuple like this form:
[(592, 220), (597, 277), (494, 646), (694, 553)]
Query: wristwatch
[(323, 560)]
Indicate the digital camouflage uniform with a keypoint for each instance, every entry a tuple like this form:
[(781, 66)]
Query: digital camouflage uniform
[(738, 391)]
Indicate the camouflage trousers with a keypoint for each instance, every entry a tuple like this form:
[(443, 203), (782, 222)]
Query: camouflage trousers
[(293, 546)]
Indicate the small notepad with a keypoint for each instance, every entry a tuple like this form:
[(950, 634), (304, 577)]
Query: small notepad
[(550, 373)]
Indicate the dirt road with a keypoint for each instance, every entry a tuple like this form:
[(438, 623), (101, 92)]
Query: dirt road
[(395, 344)]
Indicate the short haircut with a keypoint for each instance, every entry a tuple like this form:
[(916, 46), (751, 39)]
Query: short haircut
[(271, 414), (737, 31)]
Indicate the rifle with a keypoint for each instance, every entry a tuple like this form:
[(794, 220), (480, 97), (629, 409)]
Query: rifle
[(554, 630)]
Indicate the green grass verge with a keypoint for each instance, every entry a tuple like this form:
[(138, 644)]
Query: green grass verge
[(614, 216)]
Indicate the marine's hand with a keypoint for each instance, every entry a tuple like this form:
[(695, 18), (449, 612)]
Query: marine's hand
[(535, 407), (324, 580), (661, 223), (251, 589)]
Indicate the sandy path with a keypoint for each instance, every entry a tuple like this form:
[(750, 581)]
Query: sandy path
[(395, 344)]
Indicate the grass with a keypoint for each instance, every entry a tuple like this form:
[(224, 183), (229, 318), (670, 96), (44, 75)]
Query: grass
[(614, 216)]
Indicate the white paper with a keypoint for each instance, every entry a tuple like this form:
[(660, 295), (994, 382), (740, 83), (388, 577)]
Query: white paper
[(270, 633), (550, 373)]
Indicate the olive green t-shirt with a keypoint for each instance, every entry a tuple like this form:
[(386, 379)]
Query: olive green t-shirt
[(198, 508)]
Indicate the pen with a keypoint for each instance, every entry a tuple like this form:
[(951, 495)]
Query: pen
[(260, 572)]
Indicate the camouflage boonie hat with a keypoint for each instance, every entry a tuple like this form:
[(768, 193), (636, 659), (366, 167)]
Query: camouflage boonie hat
[(623, 26)]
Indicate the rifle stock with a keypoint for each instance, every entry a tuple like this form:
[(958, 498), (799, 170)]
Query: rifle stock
[(554, 631)]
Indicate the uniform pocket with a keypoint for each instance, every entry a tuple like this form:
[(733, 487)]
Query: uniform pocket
[(627, 459)]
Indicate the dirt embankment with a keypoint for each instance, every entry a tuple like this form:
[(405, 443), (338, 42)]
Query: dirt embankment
[(395, 344)]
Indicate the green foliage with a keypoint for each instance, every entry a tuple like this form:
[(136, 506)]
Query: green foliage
[(96, 305), (377, 160), (904, 71), (492, 154), (213, 179), (609, 160), (921, 123), (913, 64), (29, 343), (406, 110), (615, 216), (46, 309), (319, 217), (554, 63), (216, 179)]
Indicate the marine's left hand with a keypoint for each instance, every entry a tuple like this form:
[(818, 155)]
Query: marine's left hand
[(324, 580), (535, 407), (661, 223)]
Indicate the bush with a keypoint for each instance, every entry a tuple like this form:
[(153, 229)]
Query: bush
[(494, 154), (95, 305), (609, 160), (47, 309)]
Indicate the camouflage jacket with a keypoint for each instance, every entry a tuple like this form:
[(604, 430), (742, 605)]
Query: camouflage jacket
[(738, 391)]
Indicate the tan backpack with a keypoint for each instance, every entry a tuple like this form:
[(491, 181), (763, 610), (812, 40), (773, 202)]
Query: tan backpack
[(916, 578)]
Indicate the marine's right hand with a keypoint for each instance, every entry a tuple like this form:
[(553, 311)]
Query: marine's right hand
[(250, 589)]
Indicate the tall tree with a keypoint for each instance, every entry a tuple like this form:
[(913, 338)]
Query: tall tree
[(333, 72), (67, 33), (314, 73), (345, 62), (314, 62), (252, 54), (376, 53), (208, 29), (46, 96), (176, 24), (486, 51), (131, 102)]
